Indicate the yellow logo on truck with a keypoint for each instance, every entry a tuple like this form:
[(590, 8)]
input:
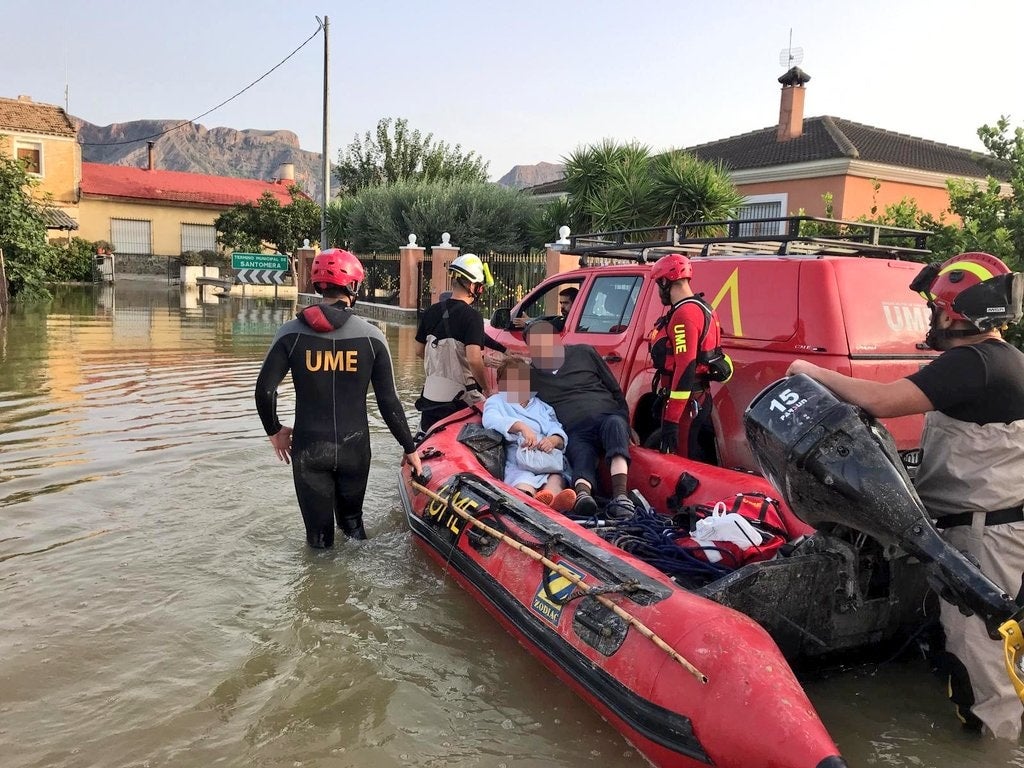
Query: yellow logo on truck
[(732, 287)]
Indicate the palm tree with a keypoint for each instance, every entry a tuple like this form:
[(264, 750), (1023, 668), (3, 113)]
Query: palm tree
[(615, 186)]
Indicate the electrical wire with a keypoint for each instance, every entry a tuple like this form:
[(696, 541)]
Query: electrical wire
[(212, 109)]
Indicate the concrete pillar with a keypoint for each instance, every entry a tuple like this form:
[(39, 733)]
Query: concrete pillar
[(408, 282), (440, 257), (557, 261), (303, 266)]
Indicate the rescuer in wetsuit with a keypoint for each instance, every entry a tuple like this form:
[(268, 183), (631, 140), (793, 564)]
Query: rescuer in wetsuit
[(687, 354), (333, 356)]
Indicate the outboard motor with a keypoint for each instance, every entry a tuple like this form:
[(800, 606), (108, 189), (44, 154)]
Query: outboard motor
[(834, 464)]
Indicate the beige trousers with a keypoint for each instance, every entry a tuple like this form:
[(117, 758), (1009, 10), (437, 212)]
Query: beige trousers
[(1000, 551)]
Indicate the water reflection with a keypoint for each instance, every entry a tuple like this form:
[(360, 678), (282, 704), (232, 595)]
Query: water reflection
[(160, 607)]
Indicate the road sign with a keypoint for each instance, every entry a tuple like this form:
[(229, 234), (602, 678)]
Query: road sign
[(260, 276), (258, 261)]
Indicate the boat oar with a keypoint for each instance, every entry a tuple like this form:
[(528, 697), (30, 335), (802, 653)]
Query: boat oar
[(565, 573)]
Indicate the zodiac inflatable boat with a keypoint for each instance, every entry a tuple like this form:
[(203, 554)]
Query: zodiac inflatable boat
[(688, 680)]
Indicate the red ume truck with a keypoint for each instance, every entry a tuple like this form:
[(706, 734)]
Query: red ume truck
[(839, 297)]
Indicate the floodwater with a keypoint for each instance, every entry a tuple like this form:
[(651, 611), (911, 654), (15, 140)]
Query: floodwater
[(158, 606)]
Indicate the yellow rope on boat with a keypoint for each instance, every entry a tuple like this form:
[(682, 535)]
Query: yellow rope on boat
[(565, 573)]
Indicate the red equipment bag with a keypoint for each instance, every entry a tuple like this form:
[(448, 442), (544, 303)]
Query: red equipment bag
[(763, 514)]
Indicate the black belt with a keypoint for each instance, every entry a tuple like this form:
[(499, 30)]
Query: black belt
[(997, 517)]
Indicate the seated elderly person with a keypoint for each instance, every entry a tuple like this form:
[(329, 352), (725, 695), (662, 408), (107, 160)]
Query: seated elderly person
[(576, 382)]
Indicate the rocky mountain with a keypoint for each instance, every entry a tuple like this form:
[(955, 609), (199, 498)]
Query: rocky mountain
[(247, 154), (522, 176)]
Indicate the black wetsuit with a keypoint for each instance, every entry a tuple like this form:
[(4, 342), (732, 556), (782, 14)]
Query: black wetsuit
[(333, 356)]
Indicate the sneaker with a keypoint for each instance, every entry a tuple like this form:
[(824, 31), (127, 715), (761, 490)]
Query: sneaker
[(584, 506), (620, 508), (564, 501), (544, 497)]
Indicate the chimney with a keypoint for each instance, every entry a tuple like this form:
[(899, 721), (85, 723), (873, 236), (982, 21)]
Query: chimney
[(286, 173), (791, 107), (150, 160)]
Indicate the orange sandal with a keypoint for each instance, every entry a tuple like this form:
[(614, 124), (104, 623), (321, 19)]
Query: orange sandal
[(544, 497), (564, 501)]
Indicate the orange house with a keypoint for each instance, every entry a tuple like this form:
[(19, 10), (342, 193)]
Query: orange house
[(794, 164)]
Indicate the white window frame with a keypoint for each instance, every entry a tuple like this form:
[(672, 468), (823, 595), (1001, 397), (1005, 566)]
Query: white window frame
[(778, 197), (36, 145)]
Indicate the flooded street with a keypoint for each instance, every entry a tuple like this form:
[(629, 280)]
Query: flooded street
[(159, 607)]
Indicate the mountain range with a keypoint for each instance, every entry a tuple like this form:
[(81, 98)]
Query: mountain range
[(249, 153)]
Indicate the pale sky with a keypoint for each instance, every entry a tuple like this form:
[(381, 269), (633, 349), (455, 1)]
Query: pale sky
[(526, 81)]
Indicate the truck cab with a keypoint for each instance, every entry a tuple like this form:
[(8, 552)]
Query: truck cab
[(840, 300)]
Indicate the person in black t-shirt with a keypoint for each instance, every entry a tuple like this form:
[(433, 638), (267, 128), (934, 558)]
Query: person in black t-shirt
[(333, 356), (576, 382), (450, 339), (971, 477)]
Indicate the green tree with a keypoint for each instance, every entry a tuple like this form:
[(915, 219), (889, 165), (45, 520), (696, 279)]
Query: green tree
[(615, 186), (395, 153), (479, 217), (250, 227), (23, 235)]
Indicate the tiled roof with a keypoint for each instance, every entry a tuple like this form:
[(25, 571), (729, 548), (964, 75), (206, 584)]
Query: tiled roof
[(55, 218), (30, 117), (828, 138), (176, 186)]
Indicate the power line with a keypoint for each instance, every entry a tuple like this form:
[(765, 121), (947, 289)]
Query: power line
[(212, 109)]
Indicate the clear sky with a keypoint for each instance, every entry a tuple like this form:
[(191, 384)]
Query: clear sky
[(521, 82)]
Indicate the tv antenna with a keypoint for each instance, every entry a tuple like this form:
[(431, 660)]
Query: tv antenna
[(791, 57)]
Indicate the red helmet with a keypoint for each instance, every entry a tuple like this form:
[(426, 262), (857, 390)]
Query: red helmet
[(672, 267), (337, 267)]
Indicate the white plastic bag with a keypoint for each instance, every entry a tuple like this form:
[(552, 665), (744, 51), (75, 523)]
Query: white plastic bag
[(721, 526)]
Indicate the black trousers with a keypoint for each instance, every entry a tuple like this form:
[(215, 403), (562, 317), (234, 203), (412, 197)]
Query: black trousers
[(330, 484)]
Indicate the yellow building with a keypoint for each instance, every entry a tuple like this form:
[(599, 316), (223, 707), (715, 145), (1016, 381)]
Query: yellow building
[(149, 214), (43, 137)]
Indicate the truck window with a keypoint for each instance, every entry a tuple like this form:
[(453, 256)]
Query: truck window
[(546, 303), (609, 304)]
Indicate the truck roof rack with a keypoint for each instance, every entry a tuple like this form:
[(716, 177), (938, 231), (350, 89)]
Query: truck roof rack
[(778, 236)]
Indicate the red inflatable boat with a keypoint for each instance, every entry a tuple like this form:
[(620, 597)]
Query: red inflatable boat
[(739, 705)]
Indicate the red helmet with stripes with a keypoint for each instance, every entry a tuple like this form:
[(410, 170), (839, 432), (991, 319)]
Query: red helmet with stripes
[(977, 288)]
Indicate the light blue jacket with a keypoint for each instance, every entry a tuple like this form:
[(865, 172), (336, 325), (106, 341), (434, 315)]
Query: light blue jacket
[(500, 415)]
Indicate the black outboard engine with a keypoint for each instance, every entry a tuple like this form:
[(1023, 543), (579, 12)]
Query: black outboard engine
[(834, 464)]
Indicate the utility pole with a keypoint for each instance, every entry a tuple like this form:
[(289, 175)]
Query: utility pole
[(326, 153)]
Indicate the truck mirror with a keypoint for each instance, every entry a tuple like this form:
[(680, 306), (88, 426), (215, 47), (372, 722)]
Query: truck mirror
[(501, 318)]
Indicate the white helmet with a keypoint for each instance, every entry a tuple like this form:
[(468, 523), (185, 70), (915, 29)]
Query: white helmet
[(471, 268)]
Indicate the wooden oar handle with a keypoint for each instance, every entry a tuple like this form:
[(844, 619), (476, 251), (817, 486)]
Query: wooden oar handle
[(565, 573)]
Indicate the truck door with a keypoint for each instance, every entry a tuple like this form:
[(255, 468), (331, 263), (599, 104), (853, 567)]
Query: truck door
[(603, 321)]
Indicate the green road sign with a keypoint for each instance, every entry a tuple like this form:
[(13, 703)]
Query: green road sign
[(258, 261)]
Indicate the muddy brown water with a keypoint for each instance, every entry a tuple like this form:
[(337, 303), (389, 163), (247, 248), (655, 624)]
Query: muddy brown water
[(158, 606)]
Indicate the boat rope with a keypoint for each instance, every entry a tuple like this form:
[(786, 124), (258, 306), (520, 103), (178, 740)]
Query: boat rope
[(565, 573)]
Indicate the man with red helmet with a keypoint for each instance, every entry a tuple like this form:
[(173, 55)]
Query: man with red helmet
[(971, 477), (687, 354), (334, 356)]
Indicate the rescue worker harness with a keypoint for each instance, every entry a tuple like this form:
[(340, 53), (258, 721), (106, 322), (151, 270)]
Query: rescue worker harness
[(712, 363)]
